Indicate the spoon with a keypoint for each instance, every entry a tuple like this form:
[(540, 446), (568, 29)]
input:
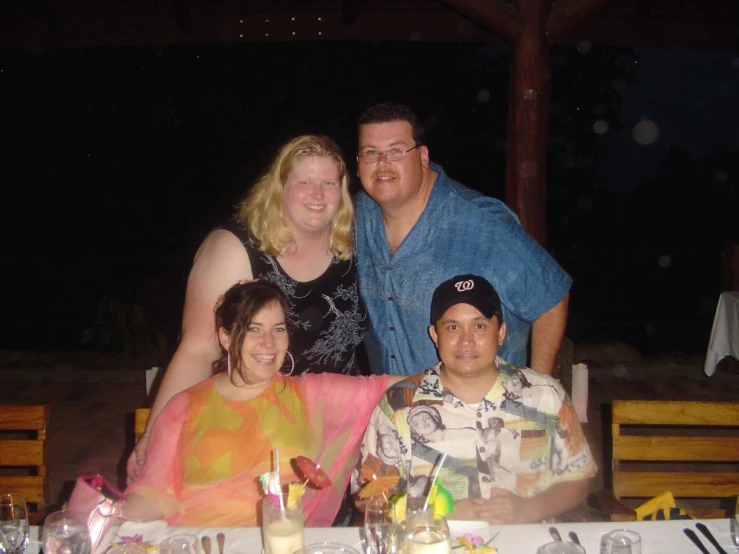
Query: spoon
[(555, 534), (206, 544), (574, 538), (221, 538)]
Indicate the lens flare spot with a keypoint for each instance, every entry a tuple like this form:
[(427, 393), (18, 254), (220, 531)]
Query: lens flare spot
[(600, 127), (645, 132)]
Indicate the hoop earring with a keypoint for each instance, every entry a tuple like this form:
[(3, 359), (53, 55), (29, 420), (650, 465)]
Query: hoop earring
[(292, 362), (228, 363)]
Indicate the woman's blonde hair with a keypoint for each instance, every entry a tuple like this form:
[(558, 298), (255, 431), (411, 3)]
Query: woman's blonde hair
[(261, 210)]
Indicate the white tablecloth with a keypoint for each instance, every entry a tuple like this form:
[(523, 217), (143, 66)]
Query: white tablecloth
[(657, 536), (724, 339)]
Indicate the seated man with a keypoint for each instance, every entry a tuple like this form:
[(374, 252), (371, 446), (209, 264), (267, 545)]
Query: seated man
[(515, 449)]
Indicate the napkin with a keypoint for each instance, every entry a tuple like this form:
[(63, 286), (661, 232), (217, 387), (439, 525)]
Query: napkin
[(150, 533)]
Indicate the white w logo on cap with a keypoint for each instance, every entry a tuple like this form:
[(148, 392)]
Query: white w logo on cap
[(462, 286)]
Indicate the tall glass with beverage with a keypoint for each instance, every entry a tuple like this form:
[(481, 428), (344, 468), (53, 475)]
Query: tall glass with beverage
[(282, 526), (426, 533)]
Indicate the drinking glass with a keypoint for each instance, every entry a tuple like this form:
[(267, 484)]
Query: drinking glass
[(735, 524), (184, 543), (623, 541), (13, 524), (426, 533), (282, 527), (65, 532), (379, 527)]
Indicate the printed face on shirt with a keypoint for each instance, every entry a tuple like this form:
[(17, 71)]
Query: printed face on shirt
[(311, 195), (388, 449), (264, 347), (467, 341), (391, 184)]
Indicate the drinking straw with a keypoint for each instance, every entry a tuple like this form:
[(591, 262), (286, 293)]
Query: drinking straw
[(279, 485), (433, 478)]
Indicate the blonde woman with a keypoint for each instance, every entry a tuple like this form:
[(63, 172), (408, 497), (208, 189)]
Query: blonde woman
[(293, 229)]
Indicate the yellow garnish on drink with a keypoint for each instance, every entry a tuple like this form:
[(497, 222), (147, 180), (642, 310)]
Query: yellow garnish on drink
[(441, 499), (294, 492), (400, 502)]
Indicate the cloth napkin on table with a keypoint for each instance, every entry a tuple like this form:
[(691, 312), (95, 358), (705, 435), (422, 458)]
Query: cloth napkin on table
[(660, 507)]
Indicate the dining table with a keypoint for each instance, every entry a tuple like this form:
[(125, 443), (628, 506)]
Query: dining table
[(657, 537)]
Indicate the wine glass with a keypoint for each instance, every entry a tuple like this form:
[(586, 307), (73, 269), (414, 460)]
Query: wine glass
[(426, 532), (65, 532), (379, 526), (13, 524), (180, 544), (623, 541)]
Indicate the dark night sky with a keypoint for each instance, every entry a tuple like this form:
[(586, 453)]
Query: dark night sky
[(119, 160)]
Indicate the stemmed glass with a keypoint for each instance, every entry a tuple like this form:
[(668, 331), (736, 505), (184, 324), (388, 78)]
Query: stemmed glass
[(379, 527), (65, 532), (13, 524)]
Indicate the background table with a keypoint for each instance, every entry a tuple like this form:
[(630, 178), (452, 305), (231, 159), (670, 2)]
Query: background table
[(724, 339), (657, 536)]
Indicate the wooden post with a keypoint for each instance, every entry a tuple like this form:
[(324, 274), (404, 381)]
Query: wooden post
[(528, 119)]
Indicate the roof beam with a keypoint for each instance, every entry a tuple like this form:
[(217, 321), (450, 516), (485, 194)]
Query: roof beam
[(495, 15), (565, 13)]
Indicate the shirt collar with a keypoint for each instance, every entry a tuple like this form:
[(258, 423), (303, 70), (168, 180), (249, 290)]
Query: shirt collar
[(431, 388)]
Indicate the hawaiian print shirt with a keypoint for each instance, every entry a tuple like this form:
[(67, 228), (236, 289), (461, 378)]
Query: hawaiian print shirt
[(524, 436)]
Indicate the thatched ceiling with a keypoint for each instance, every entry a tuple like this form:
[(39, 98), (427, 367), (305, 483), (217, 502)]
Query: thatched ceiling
[(62, 23)]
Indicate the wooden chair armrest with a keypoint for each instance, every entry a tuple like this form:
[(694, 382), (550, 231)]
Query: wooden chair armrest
[(605, 503)]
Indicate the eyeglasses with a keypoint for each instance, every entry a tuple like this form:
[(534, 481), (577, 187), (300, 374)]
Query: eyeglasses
[(392, 155)]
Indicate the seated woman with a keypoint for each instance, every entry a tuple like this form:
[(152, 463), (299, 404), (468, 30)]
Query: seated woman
[(211, 442), (294, 229)]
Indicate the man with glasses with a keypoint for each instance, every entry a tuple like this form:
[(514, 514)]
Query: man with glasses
[(417, 227)]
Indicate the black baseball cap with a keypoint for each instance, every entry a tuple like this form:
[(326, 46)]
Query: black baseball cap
[(466, 289)]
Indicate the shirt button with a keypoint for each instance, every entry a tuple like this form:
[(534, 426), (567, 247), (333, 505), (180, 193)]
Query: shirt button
[(482, 449), (485, 479), (479, 414), (392, 328), (389, 268), (390, 298)]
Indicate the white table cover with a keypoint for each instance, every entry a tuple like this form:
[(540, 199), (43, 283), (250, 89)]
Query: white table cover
[(724, 339), (657, 536)]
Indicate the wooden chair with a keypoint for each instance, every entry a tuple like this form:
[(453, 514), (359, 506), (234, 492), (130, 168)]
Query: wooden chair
[(688, 448), (139, 422), (24, 454)]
